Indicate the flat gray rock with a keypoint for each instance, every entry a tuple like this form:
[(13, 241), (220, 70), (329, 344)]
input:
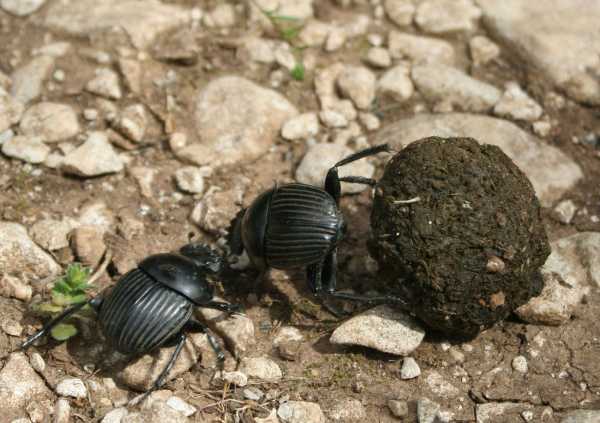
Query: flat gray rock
[(236, 120), (300, 412), (28, 149), (142, 22), (20, 256), (94, 157), (52, 122), (559, 38), (28, 80), (381, 328), (551, 172), (10, 111), (570, 270)]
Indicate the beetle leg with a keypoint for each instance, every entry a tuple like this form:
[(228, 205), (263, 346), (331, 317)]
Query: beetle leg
[(358, 180), (163, 375), (193, 324), (314, 277), (218, 305), (332, 180), (94, 302), (236, 244)]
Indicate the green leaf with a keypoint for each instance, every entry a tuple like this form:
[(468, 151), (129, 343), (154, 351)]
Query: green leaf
[(289, 34), (298, 72), (47, 308), (79, 298), (283, 18), (63, 331), (60, 299), (77, 275)]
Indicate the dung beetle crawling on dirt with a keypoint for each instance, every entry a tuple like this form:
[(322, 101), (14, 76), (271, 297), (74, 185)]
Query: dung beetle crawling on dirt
[(300, 225), (153, 304)]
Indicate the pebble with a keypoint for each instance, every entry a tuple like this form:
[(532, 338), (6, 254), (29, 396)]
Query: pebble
[(401, 12), (105, 84), (52, 122), (28, 80), (37, 362), (62, 411), (542, 128), (72, 387), (262, 368), (410, 369), (285, 57), (90, 114), (289, 350), (11, 327), (217, 208), (10, 111), (191, 178), (369, 121), (515, 103), (115, 416), (177, 141), (28, 149), (20, 384), (132, 122), (222, 16), (581, 416), (396, 83), (381, 328), (141, 24), (52, 234), (347, 410), (94, 157), (439, 386), (314, 33), (419, 49), (58, 49), (336, 39), (398, 408), (519, 364), (181, 406), (304, 126), (378, 57), (232, 109), (236, 378), (287, 334), (447, 16), (21, 7), (333, 119), (565, 211), (358, 84), (11, 286), (427, 411), (19, 255), (483, 50), (320, 157), (440, 83), (300, 412), (253, 394)]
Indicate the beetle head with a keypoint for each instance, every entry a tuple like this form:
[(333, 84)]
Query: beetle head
[(203, 256)]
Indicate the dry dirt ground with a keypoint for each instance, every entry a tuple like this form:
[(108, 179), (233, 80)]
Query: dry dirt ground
[(563, 361)]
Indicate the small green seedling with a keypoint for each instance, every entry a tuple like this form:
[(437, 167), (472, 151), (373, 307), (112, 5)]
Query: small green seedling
[(67, 291), (288, 29)]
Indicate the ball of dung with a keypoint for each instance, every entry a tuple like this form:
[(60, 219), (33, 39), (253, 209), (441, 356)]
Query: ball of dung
[(457, 233)]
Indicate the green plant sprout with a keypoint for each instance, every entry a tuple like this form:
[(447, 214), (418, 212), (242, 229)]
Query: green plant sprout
[(67, 291), (288, 30)]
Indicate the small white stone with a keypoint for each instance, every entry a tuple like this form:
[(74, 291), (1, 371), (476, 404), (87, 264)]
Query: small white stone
[(447, 16), (303, 126), (236, 378), (336, 39), (11, 327), (287, 334), (519, 363), (29, 149), (115, 416), (396, 83), (358, 84), (333, 119), (284, 57), (376, 40), (105, 84), (37, 362), (71, 388), (59, 75), (314, 33), (542, 128), (177, 141), (222, 16), (50, 121), (300, 412), (262, 368), (398, 408), (90, 114), (191, 178), (420, 49), (180, 405), (515, 103), (21, 7), (58, 49), (527, 415), (370, 121), (94, 157), (379, 57), (565, 211), (62, 411), (400, 12), (132, 122), (410, 369), (483, 50)]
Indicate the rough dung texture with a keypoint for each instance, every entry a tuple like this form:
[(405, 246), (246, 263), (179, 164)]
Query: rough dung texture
[(475, 205)]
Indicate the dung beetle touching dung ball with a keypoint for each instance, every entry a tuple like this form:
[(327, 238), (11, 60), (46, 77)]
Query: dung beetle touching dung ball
[(153, 304), (299, 225)]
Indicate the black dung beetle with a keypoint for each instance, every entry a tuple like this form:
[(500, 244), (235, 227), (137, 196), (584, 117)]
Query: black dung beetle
[(300, 225), (153, 304)]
